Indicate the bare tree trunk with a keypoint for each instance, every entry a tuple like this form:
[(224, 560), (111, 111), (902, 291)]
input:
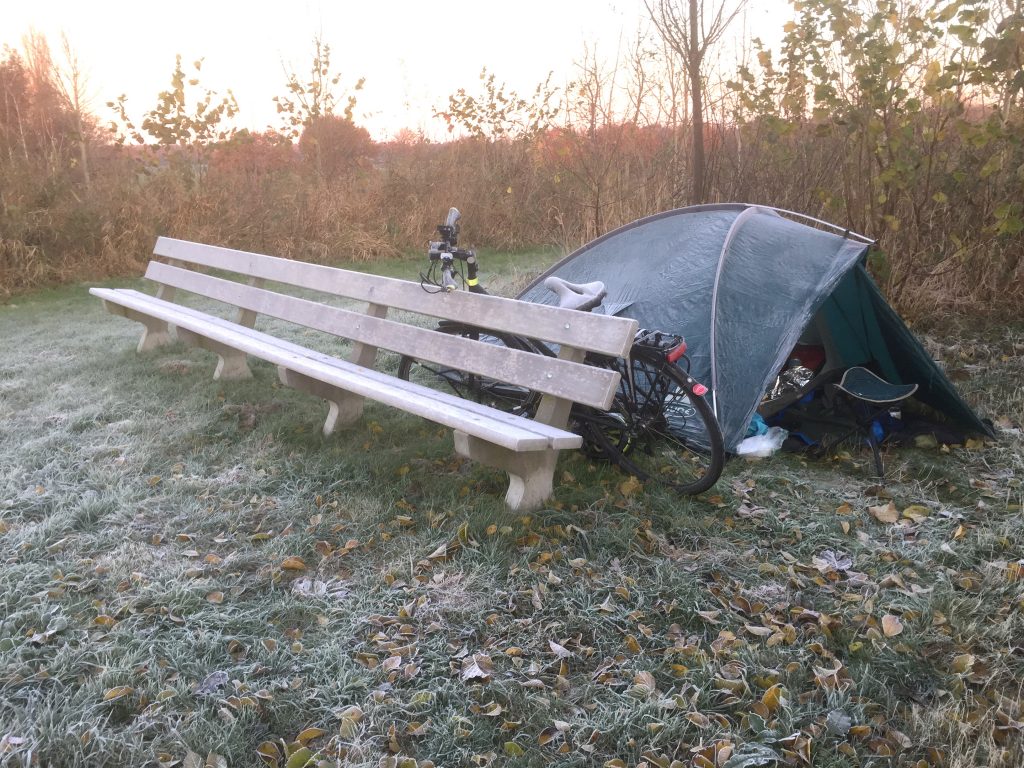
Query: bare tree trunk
[(83, 153), (691, 33), (697, 107)]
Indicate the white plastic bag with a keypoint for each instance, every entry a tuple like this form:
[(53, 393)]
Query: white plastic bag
[(760, 446)]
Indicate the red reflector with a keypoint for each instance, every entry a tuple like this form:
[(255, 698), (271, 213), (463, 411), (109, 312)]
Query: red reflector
[(676, 353), (700, 390)]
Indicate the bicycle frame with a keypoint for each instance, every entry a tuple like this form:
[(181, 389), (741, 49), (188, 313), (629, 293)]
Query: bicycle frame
[(659, 407)]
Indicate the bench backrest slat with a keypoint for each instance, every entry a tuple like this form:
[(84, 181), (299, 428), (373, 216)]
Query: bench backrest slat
[(560, 378), (596, 333)]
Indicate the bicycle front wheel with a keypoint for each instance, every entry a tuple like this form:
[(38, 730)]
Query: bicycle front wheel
[(658, 430)]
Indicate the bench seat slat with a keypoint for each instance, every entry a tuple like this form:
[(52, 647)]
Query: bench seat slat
[(556, 437), (583, 384), (594, 332), (502, 429)]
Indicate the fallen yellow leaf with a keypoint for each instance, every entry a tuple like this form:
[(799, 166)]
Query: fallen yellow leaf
[(269, 751), (963, 663), (118, 693), (300, 758), (916, 512), (775, 698), (511, 748), (630, 486), (308, 734)]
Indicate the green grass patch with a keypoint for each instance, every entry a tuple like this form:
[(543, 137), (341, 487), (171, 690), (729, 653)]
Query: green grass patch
[(190, 568)]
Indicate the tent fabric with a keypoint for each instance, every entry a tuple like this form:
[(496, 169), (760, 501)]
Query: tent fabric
[(742, 283)]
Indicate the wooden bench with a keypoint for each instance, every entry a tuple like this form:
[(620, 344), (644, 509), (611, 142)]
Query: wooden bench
[(526, 449)]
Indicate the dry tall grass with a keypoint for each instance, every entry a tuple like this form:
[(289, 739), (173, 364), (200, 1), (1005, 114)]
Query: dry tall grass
[(562, 189)]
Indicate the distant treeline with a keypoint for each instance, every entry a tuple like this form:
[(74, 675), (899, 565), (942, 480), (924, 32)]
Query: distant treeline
[(902, 121)]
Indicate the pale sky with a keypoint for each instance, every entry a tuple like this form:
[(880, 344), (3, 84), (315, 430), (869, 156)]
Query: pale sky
[(412, 53)]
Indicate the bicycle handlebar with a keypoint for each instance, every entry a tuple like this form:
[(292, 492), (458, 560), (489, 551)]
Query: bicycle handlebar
[(438, 251), (444, 252)]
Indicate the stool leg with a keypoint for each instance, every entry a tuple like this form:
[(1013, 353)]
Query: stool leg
[(864, 417), (867, 418), (876, 454)]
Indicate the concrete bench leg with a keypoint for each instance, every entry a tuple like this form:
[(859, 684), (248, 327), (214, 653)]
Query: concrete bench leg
[(156, 333), (231, 364), (345, 407), (531, 474)]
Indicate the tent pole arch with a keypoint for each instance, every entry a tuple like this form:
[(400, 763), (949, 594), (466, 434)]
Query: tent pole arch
[(713, 331), (846, 232)]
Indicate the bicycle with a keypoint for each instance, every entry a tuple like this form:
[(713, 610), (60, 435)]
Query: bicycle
[(659, 428)]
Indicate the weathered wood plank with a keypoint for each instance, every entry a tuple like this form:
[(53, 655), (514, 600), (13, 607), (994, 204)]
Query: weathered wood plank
[(509, 431), (557, 437), (585, 330), (560, 378)]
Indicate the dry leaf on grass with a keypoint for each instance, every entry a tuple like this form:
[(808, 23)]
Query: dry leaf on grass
[(916, 513), (886, 514), (118, 693), (891, 625), (829, 561), (477, 667), (559, 650), (630, 486), (212, 683)]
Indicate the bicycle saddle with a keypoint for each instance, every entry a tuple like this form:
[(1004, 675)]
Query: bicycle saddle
[(582, 296)]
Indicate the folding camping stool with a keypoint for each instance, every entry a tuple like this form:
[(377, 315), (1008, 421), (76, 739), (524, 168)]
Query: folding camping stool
[(867, 397)]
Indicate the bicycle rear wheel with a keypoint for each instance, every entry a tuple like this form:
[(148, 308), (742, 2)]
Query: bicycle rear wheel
[(481, 389), (658, 430)]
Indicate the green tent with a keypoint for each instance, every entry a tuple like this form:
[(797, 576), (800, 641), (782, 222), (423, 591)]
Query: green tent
[(744, 284)]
